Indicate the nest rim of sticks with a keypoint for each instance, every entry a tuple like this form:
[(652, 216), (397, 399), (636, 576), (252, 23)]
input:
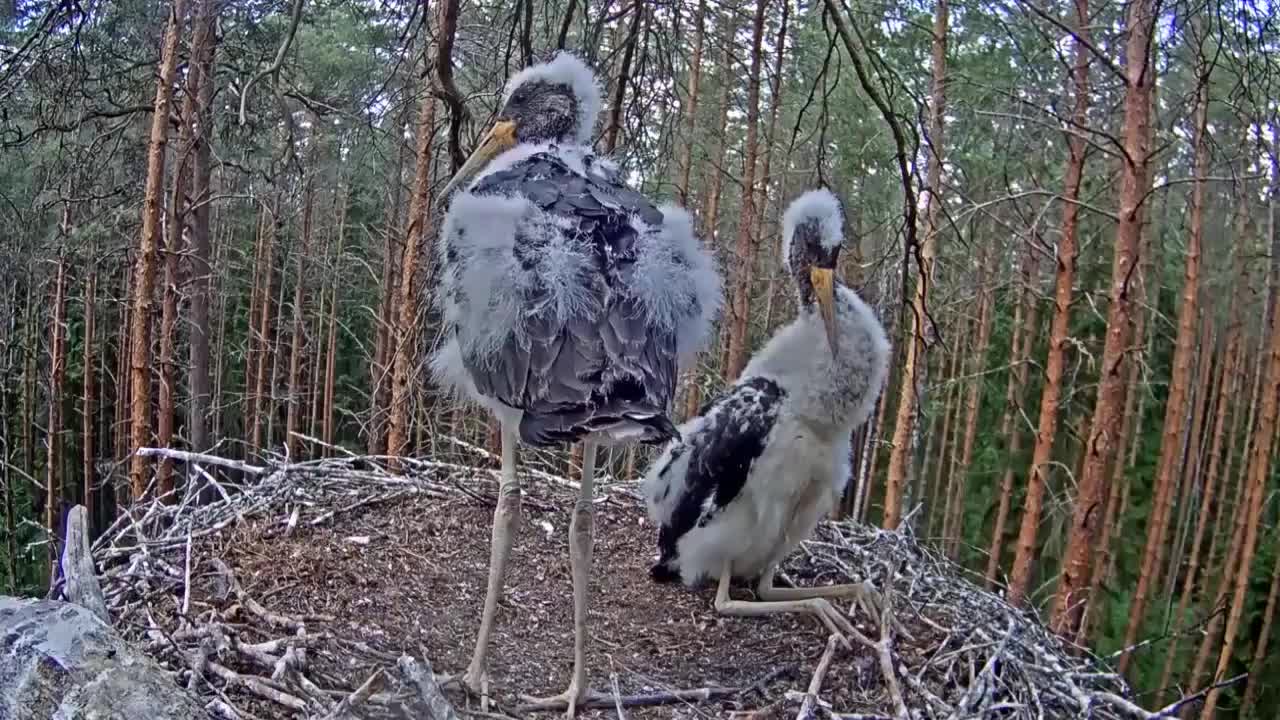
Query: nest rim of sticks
[(942, 646)]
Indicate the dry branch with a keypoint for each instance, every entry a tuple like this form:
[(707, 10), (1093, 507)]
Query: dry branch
[(80, 584)]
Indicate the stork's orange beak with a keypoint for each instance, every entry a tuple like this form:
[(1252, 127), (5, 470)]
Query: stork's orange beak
[(500, 138), (824, 291)]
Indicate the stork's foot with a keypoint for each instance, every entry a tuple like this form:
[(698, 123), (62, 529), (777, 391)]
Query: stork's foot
[(570, 700), (836, 622), (866, 598), (474, 681)]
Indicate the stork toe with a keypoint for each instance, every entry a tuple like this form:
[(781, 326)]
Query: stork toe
[(570, 700)]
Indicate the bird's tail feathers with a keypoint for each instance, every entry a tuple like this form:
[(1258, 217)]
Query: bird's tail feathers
[(629, 423)]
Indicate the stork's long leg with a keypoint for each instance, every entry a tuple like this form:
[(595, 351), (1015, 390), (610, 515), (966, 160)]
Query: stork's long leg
[(506, 522), (580, 546), (866, 597), (833, 619)]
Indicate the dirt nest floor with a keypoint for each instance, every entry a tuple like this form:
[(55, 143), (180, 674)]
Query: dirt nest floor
[(314, 590)]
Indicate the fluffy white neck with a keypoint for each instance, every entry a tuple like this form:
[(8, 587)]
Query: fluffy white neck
[(836, 392)]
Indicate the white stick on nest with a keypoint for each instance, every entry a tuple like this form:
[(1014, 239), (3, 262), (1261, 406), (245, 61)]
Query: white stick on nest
[(81, 580), (419, 677)]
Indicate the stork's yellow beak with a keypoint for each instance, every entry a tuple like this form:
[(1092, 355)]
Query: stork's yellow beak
[(824, 291), (501, 137)]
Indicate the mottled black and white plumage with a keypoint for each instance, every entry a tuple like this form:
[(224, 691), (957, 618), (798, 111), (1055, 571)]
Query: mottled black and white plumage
[(571, 299), (752, 475)]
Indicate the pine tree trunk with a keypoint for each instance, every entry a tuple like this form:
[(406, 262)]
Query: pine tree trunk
[(145, 270), (250, 399), (689, 118), (744, 249), (1235, 534), (1046, 426), (200, 92), (53, 491), (1176, 408), (1105, 425), (613, 127), (862, 472), (935, 503), (121, 424), (765, 236), (716, 169), (1260, 649), (6, 467), (417, 237), (219, 339), (562, 37), (275, 342), (1233, 393), (690, 109), (30, 383), (972, 404), (1020, 346), (89, 398), (294, 412), (1256, 474), (1202, 395), (380, 368), (1118, 496), (331, 343), (167, 406), (262, 381), (912, 383), (1229, 369)]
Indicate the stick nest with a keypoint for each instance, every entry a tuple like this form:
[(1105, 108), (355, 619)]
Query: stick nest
[(212, 592)]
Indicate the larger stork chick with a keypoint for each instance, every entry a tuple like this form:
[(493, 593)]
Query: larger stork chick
[(570, 301), (751, 477)]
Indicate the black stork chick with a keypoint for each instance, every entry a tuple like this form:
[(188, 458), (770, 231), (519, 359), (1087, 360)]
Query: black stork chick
[(571, 303), (750, 478)]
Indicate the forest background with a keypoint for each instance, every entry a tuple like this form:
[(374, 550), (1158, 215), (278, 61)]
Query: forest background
[(216, 217)]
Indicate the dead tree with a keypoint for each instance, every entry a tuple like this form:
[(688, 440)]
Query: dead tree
[(913, 369), (145, 269)]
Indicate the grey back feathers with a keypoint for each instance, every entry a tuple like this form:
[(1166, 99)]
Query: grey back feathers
[(571, 300)]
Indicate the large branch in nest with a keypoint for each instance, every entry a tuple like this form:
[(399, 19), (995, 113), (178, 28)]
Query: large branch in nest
[(431, 701), (81, 581)]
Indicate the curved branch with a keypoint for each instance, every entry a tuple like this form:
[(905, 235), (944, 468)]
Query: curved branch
[(448, 89), (911, 247), (296, 16)]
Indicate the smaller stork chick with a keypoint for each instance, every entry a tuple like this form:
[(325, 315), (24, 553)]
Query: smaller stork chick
[(750, 478)]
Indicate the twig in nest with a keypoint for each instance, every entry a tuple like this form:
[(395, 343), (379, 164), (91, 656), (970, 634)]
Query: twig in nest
[(357, 697), (418, 676), (1171, 710), (809, 707), (258, 687), (252, 605), (607, 700), (617, 696)]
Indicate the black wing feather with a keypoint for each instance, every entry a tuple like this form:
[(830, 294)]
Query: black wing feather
[(721, 453)]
